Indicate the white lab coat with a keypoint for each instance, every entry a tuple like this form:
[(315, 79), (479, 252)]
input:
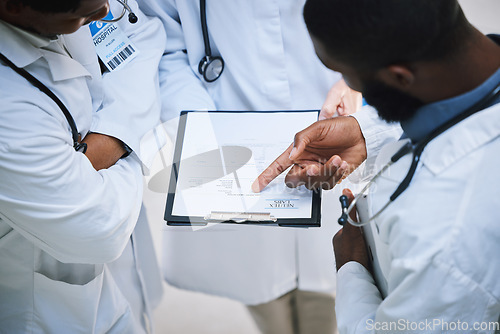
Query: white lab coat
[(442, 237), (68, 263), (270, 64)]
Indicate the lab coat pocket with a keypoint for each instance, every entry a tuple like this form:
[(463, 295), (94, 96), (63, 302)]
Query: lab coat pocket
[(61, 307)]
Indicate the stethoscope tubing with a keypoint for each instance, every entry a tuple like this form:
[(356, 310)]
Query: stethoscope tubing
[(417, 150)]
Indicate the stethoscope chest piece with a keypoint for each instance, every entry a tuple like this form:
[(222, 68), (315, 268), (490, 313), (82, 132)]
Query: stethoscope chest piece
[(211, 68)]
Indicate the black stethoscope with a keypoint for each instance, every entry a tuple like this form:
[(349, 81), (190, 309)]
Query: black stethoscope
[(417, 150), (210, 67), (38, 84), (132, 18)]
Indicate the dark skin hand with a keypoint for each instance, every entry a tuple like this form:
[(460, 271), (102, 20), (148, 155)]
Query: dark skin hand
[(349, 243), (103, 151), (320, 156)]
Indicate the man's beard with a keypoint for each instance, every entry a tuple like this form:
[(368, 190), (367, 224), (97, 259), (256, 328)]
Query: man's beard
[(392, 105)]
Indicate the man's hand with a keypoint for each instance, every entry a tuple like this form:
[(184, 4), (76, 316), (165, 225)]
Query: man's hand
[(321, 155), (349, 243), (103, 151), (340, 101)]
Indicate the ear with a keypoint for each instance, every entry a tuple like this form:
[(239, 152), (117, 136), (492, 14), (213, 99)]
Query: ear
[(401, 77)]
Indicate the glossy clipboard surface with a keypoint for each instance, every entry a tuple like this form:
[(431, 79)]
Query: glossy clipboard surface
[(215, 149)]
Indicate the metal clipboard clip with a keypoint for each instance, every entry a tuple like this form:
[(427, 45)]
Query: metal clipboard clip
[(240, 217)]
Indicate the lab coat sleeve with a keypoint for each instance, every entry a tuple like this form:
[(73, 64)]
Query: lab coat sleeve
[(131, 105), (53, 196), (181, 86), (376, 131), (357, 298), (423, 298), (426, 295)]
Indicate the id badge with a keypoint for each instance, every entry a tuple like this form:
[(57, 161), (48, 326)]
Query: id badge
[(113, 47)]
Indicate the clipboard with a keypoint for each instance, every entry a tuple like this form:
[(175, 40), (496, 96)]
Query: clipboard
[(218, 154)]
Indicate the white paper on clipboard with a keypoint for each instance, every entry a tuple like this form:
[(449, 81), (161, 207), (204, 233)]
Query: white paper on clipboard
[(217, 157)]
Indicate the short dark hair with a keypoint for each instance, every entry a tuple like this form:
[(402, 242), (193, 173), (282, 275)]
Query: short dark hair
[(372, 34), (52, 6)]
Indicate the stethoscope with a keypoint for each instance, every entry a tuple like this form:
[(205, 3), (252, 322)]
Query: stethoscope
[(210, 67), (35, 82), (132, 18), (81, 147), (417, 150)]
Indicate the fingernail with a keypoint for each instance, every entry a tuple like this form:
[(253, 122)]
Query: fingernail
[(292, 153), (336, 161), (255, 187), (344, 166)]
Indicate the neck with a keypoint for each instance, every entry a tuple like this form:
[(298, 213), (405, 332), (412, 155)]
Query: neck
[(476, 62)]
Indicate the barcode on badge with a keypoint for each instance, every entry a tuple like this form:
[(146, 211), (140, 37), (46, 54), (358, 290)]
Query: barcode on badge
[(121, 57)]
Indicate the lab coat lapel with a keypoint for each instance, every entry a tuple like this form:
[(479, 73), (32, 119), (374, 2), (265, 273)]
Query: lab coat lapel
[(81, 48), (82, 60), (63, 67), (466, 137)]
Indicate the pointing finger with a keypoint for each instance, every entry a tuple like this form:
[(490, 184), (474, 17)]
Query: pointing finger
[(277, 167)]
